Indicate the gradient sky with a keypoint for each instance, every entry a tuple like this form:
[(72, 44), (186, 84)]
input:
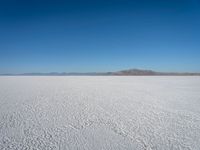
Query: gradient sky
[(99, 35)]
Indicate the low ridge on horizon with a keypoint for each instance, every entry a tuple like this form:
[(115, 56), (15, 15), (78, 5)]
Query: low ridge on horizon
[(125, 72)]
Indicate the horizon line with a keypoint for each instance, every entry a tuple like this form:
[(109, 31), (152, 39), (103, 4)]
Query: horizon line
[(133, 71)]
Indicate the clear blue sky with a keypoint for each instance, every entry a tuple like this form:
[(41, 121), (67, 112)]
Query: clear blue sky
[(99, 35)]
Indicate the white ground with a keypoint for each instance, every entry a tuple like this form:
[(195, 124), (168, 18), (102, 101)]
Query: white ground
[(100, 113)]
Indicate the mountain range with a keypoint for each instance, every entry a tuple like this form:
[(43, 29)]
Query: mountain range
[(128, 72)]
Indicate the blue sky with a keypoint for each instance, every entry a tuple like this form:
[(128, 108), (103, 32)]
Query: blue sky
[(99, 35)]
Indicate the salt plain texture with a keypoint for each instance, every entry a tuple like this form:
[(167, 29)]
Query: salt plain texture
[(100, 113)]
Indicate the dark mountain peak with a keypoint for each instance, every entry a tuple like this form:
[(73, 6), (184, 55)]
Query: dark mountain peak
[(135, 72)]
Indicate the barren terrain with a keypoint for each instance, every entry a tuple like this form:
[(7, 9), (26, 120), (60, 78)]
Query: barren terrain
[(100, 113)]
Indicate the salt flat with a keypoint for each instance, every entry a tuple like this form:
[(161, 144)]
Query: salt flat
[(100, 113)]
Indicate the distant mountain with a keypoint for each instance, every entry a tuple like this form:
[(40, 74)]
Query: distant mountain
[(140, 72), (135, 72), (129, 72)]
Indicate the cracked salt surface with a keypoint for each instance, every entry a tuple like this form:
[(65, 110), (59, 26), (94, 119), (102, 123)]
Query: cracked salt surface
[(96, 113)]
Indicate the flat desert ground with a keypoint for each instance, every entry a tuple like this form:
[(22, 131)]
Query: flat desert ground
[(99, 113)]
